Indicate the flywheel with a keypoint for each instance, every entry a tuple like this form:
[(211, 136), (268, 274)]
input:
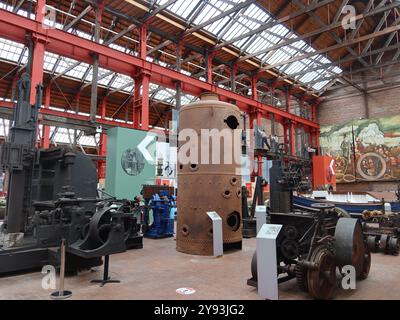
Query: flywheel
[(350, 246), (322, 280)]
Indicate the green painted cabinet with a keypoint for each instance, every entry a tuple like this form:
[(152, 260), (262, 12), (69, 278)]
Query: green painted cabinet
[(127, 167)]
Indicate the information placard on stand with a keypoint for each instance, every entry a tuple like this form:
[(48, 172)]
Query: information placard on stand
[(218, 248), (261, 217), (266, 261)]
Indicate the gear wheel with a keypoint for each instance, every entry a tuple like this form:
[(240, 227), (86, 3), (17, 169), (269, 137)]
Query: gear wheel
[(301, 278)]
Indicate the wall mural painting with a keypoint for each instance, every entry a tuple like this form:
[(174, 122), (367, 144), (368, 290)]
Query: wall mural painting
[(364, 150)]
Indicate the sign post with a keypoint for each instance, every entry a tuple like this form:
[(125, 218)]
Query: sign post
[(217, 233), (267, 275), (261, 217)]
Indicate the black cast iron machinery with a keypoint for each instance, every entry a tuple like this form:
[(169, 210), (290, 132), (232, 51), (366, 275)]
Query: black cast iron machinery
[(52, 195), (314, 243)]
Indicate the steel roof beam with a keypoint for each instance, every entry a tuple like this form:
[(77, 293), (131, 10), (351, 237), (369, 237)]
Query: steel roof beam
[(347, 59), (316, 32), (334, 47), (157, 10), (234, 9), (334, 35), (78, 18), (271, 24), (18, 5)]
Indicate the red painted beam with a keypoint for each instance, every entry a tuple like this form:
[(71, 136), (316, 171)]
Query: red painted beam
[(143, 41), (46, 129), (292, 139), (14, 27)]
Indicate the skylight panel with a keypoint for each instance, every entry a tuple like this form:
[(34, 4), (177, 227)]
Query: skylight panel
[(121, 80), (320, 85), (49, 60), (10, 50), (182, 7), (337, 70), (309, 77), (249, 19), (296, 66), (105, 81)]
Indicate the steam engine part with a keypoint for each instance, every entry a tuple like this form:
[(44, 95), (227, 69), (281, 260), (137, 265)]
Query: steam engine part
[(312, 244), (209, 187), (52, 195), (383, 232)]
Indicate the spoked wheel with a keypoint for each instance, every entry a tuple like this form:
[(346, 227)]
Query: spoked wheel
[(322, 281), (394, 246), (373, 243)]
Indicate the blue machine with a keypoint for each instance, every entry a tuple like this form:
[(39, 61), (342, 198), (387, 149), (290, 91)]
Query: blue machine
[(163, 207)]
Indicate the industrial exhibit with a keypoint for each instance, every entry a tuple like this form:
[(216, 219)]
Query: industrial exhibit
[(199, 150)]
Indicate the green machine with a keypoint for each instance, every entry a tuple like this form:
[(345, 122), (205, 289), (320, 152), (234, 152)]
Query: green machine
[(130, 162)]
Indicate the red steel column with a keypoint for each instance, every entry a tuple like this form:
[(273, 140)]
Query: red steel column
[(251, 127), (143, 41), (145, 100), (259, 157), (209, 66), (254, 93), (302, 107), (142, 87), (317, 133), (101, 164), (40, 10), (285, 134), (141, 100), (45, 143), (137, 101), (37, 62), (37, 65), (254, 96), (314, 112), (292, 139)]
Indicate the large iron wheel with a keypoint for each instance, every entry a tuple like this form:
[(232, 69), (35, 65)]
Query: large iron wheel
[(351, 248), (373, 243), (322, 280), (394, 246), (366, 265), (384, 243)]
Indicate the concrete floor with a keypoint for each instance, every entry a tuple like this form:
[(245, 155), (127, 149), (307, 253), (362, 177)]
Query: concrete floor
[(156, 271)]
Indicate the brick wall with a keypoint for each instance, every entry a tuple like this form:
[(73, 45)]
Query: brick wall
[(341, 107)]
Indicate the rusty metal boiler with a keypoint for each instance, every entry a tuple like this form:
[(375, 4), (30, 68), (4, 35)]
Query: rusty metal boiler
[(209, 187)]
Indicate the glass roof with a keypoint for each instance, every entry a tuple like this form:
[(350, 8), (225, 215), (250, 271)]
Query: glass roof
[(248, 19), (196, 12)]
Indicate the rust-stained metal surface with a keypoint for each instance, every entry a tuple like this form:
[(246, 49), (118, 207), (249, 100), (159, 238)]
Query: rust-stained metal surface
[(206, 187)]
